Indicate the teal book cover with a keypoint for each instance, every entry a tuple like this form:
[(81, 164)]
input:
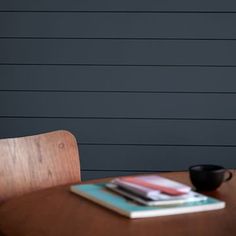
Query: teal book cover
[(99, 194)]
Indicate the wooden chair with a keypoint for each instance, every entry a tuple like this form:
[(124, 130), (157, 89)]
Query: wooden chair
[(37, 162)]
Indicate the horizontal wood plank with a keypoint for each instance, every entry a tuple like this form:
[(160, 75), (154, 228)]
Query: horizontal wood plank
[(88, 175), (110, 78), (122, 5), (129, 132), (151, 158), (118, 52), (118, 105), (123, 25)]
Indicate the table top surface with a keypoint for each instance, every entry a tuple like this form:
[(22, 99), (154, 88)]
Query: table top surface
[(59, 212)]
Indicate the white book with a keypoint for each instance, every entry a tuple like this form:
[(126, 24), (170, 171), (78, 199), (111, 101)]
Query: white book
[(163, 199)]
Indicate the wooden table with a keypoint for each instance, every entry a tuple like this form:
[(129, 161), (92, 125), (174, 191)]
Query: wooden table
[(58, 212)]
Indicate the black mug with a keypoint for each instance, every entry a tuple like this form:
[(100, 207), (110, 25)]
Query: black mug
[(208, 177)]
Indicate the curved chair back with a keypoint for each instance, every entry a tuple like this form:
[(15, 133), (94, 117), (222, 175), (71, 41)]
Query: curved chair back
[(35, 162)]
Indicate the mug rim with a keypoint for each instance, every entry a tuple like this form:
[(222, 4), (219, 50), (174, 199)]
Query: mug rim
[(218, 168)]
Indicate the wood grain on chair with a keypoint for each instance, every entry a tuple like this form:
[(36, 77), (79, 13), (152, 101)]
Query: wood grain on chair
[(36, 162)]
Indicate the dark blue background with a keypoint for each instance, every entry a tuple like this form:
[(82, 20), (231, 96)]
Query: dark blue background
[(144, 85)]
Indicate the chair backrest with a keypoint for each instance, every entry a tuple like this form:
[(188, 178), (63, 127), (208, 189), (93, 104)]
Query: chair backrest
[(36, 162)]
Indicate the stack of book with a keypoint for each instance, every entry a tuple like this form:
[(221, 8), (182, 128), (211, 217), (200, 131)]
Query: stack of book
[(147, 196)]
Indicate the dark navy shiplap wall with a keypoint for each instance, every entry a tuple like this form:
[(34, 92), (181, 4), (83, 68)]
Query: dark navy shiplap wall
[(144, 85)]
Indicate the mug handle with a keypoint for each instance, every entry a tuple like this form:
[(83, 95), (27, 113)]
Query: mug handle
[(229, 176)]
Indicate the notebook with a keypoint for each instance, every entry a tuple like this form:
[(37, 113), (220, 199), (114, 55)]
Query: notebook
[(150, 186), (99, 194)]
